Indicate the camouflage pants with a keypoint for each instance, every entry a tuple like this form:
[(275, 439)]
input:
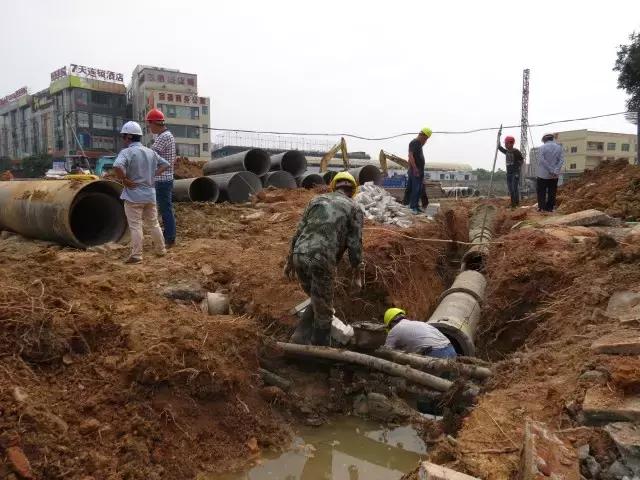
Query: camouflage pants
[(316, 278)]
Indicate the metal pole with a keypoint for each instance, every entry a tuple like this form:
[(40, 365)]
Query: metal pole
[(493, 169)]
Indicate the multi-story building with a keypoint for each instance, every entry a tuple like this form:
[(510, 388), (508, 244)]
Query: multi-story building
[(585, 149), (81, 112), (176, 94)]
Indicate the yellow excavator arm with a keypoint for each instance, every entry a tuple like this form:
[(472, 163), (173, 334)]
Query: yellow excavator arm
[(384, 156), (326, 158)]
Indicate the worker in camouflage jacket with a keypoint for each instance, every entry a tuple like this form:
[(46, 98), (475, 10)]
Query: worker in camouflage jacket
[(331, 224)]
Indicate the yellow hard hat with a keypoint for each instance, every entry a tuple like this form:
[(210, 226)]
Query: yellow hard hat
[(344, 176), (392, 313), (426, 131)]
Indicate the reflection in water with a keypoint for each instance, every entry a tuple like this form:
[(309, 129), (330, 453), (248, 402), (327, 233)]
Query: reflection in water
[(349, 448)]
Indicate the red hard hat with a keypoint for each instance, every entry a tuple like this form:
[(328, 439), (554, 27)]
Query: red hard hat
[(155, 115), (509, 139)]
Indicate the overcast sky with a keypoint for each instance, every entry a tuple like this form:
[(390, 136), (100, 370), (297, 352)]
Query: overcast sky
[(369, 68)]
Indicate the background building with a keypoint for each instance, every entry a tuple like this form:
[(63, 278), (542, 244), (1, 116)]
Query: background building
[(176, 94), (585, 149), (82, 111)]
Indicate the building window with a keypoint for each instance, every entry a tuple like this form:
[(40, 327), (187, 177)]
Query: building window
[(102, 121), (205, 110), (81, 98), (625, 147), (178, 98), (150, 77), (442, 176), (191, 82), (161, 78), (572, 166), (100, 98), (83, 119), (187, 150), (103, 143), (170, 97), (574, 149), (205, 147), (466, 177), (595, 146), (205, 127), (611, 146), (203, 101), (161, 96), (184, 131)]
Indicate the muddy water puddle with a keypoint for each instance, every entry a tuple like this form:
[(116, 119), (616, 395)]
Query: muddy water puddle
[(346, 448)]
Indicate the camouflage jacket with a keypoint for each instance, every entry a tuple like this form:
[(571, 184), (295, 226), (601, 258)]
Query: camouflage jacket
[(331, 224)]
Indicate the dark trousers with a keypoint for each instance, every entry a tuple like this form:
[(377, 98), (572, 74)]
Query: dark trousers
[(546, 189), (424, 199), (416, 185), (164, 190), (513, 184)]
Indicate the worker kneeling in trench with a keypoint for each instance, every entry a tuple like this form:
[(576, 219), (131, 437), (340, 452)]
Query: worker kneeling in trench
[(415, 337)]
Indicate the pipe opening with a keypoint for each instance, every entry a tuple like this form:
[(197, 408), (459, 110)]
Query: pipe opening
[(474, 261), (310, 180), (279, 179), (240, 186), (96, 218), (294, 162), (368, 173), (203, 189), (257, 161), (328, 176)]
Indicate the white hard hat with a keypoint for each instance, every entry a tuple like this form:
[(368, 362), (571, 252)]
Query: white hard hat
[(131, 128)]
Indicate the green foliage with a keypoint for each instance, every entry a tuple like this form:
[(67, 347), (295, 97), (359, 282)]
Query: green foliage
[(486, 174), (5, 164), (628, 64), (35, 166)]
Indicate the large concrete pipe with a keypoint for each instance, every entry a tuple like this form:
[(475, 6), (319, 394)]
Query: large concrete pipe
[(328, 176), (480, 233), (368, 173), (256, 161), (200, 189), (237, 187), (279, 179), (71, 212), (292, 161), (310, 180), (470, 282)]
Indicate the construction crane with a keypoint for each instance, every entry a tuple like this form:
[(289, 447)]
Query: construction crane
[(384, 156), (524, 117), (326, 158)]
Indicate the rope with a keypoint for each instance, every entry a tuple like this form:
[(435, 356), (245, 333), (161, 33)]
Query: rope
[(434, 240)]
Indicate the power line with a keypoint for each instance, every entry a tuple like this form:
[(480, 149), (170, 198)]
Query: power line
[(452, 132)]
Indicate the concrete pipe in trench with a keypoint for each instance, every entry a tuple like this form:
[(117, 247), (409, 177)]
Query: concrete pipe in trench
[(368, 173), (256, 161), (200, 189), (292, 161), (310, 180), (77, 213), (279, 179), (480, 233), (237, 187)]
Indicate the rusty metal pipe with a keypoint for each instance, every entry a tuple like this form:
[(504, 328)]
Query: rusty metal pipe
[(292, 161), (256, 161), (77, 213), (200, 189)]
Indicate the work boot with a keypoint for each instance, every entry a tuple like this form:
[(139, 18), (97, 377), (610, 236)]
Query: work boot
[(321, 337), (304, 329)]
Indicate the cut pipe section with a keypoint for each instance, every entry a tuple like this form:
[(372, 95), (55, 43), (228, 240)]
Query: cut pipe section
[(237, 187), (458, 313), (70, 212), (368, 173), (200, 189), (256, 161), (279, 179), (292, 161), (328, 176), (310, 180)]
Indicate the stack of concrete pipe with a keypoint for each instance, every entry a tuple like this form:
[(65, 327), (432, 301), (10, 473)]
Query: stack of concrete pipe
[(367, 173)]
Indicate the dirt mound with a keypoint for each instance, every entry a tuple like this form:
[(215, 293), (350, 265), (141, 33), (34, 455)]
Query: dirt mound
[(612, 187), (522, 272), (185, 168)]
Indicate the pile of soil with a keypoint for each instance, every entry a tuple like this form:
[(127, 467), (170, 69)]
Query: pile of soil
[(185, 168), (612, 187)]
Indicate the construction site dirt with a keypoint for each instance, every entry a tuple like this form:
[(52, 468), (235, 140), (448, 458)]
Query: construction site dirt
[(106, 373)]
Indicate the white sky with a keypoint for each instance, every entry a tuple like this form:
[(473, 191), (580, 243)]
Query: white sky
[(370, 68)]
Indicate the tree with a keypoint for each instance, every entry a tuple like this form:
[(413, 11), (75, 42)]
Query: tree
[(628, 64), (35, 166)]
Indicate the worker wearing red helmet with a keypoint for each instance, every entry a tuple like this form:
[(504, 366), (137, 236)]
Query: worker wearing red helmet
[(165, 146), (514, 161)]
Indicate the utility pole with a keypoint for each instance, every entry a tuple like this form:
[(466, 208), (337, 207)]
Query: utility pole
[(524, 121), (634, 117)]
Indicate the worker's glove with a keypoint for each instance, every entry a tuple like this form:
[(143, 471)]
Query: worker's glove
[(358, 275), (289, 271)]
